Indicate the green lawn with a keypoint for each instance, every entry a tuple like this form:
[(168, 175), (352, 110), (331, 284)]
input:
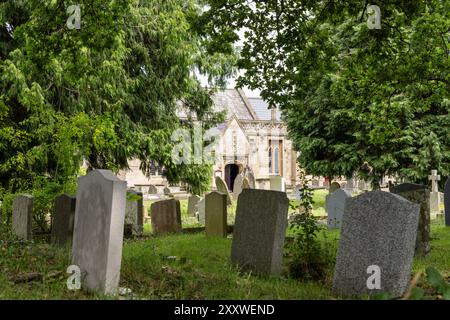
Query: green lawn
[(183, 266)]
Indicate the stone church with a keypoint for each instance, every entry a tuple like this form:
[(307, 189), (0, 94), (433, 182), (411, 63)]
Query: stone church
[(252, 138)]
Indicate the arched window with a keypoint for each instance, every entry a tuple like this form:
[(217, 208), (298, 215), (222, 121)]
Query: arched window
[(276, 165), (275, 157)]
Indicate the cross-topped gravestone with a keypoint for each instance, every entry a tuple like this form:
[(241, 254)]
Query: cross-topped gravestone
[(335, 204), (434, 195), (134, 214), (216, 214), (419, 194), (222, 188), (22, 216), (447, 202), (260, 230), (166, 216), (98, 231), (63, 220), (378, 233)]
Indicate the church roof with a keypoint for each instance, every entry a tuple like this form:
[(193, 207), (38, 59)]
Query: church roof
[(262, 110)]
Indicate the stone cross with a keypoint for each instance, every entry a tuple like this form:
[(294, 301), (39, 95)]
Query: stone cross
[(434, 178), (434, 195), (98, 230)]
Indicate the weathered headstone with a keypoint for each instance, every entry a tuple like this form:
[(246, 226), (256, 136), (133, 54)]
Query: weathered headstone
[(447, 202), (63, 220), (434, 194), (216, 214), (134, 214), (201, 211), (192, 205), (166, 216), (378, 233), (237, 186), (98, 231), (259, 231), (334, 186), (350, 185), (315, 183), (222, 188), (246, 184), (152, 189), (22, 216), (167, 191), (277, 183), (251, 179), (335, 204), (419, 194)]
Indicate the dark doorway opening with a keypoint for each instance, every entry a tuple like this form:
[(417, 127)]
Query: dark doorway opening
[(231, 172)]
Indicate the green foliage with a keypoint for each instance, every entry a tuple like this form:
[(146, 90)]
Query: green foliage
[(437, 282), (356, 101), (105, 93), (310, 257)]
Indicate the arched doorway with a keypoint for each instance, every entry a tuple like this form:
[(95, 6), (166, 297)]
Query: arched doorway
[(231, 172)]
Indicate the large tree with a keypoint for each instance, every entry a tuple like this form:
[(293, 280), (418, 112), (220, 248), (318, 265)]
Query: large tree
[(356, 100), (106, 92)]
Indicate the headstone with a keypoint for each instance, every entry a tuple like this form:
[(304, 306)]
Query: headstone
[(201, 211), (315, 183), (222, 188), (297, 192), (335, 204), (419, 194), (246, 184), (334, 186), (63, 220), (192, 205), (166, 216), (237, 186), (447, 202), (361, 185), (277, 183), (98, 231), (216, 214), (434, 195), (251, 180), (350, 185), (22, 216), (152, 189), (378, 233), (134, 215), (167, 191), (259, 231)]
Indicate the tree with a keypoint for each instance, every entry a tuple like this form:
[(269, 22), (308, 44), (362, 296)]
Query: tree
[(106, 93), (356, 100)]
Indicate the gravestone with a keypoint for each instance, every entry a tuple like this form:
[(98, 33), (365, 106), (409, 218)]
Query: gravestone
[(447, 202), (297, 192), (237, 186), (419, 194), (98, 230), (334, 186), (216, 214), (134, 214), (350, 185), (259, 231), (201, 211), (378, 231), (192, 205), (434, 195), (362, 185), (152, 189), (63, 220), (246, 184), (166, 216), (277, 183), (222, 188), (251, 180), (335, 204), (167, 191), (22, 216), (315, 183)]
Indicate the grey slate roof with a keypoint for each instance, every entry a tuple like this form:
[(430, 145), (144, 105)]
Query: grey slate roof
[(262, 110)]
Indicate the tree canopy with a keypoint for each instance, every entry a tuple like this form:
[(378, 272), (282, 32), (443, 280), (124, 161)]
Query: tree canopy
[(105, 93), (356, 100)]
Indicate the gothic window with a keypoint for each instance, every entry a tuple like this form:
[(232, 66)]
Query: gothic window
[(276, 157)]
